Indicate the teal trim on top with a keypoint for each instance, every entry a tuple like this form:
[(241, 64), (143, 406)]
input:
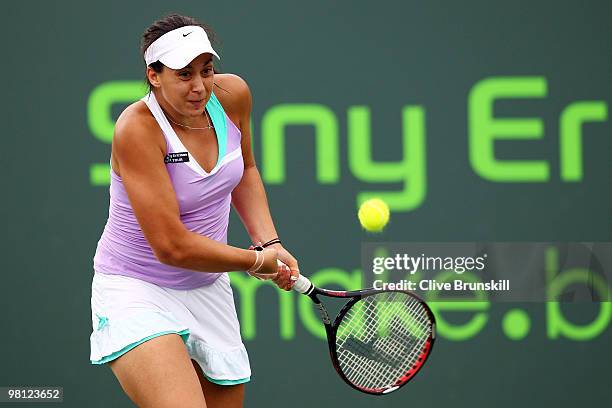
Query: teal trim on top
[(183, 333), (228, 382), (217, 115)]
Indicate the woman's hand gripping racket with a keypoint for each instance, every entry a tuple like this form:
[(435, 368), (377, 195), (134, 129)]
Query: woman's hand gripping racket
[(379, 340)]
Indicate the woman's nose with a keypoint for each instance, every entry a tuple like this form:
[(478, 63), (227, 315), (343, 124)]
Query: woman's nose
[(198, 85)]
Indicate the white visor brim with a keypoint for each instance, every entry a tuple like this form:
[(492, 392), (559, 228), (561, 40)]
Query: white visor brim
[(179, 47)]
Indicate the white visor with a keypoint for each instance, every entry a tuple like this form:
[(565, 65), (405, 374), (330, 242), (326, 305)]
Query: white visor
[(179, 47)]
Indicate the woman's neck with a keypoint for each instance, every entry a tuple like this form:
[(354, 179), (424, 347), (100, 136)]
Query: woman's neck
[(197, 121)]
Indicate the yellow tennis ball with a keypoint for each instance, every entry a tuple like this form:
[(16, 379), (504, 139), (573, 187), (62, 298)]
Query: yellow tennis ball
[(373, 215)]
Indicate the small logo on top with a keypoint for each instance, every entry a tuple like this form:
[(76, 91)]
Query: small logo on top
[(179, 157)]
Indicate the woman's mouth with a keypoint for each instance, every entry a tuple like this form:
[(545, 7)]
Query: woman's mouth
[(196, 104)]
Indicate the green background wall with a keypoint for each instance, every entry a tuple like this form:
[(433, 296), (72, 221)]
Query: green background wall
[(382, 55)]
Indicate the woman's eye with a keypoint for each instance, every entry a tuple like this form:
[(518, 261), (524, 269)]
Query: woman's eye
[(184, 74)]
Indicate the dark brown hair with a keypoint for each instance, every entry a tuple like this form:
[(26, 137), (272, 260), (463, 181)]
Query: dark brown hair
[(167, 24)]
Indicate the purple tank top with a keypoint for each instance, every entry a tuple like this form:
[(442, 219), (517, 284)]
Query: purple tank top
[(204, 201)]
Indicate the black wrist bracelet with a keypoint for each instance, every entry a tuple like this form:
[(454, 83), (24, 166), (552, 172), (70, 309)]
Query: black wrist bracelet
[(271, 242)]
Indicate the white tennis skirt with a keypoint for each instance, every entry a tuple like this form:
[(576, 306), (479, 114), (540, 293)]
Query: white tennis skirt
[(126, 312)]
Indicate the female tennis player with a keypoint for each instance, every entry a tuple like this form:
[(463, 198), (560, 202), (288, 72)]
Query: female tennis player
[(162, 308)]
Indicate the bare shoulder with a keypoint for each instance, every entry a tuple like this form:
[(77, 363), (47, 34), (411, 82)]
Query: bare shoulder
[(136, 130), (136, 125), (234, 94)]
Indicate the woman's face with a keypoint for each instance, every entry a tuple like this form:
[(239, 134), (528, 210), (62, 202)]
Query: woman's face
[(186, 90)]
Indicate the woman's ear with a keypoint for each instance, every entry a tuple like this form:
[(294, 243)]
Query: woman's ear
[(153, 77)]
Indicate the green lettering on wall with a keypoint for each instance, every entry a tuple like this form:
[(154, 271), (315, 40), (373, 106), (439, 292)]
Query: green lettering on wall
[(557, 325), (570, 139), (484, 129), (480, 304), (273, 140), (101, 100), (99, 174), (247, 287), (411, 170), (325, 278), (100, 118)]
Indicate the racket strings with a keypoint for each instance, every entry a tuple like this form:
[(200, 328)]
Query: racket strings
[(381, 338)]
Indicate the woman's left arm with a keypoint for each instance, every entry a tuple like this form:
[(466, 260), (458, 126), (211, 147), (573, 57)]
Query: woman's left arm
[(249, 197)]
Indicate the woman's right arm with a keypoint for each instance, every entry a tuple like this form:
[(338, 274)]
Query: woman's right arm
[(136, 149)]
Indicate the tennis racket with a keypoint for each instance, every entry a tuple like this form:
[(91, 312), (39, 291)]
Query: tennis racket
[(380, 339)]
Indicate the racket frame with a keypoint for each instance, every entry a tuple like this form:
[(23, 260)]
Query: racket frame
[(331, 329)]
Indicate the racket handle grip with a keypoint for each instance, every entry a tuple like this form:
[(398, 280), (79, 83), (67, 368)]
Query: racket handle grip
[(302, 285)]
